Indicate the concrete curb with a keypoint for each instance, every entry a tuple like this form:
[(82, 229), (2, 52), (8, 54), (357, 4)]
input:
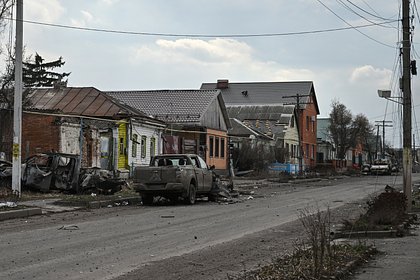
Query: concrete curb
[(21, 213), (100, 203), (368, 234)]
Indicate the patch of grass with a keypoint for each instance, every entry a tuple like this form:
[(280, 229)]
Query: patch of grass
[(299, 264)]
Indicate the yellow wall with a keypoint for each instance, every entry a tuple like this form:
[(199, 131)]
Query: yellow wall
[(122, 146)]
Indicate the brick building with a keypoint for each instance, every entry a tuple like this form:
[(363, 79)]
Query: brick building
[(302, 94)]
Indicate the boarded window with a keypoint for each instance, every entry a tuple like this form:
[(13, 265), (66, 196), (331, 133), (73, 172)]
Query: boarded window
[(217, 147), (143, 146), (308, 120), (222, 147), (122, 148), (211, 146)]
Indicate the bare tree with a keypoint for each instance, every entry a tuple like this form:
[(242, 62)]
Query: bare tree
[(347, 131), (5, 10)]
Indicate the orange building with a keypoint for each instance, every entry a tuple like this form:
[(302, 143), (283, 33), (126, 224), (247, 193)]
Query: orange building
[(302, 94)]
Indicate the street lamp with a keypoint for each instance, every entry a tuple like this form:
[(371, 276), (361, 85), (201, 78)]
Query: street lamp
[(387, 95), (405, 101)]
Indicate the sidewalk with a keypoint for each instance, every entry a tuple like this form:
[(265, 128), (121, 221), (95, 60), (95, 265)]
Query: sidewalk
[(35, 207), (400, 259)]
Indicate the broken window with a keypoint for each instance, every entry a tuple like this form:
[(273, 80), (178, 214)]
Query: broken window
[(134, 145)]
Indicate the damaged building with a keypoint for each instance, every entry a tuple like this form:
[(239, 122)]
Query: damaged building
[(84, 121)]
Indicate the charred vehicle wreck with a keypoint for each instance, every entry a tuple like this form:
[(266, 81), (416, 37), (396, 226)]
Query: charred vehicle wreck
[(57, 171)]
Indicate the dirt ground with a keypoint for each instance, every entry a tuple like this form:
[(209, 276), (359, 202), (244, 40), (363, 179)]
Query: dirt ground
[(235, 257), (217, 261)]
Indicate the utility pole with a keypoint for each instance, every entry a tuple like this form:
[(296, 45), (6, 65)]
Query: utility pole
[(383, 125), (406, 88), (17, 103), (300, 125)]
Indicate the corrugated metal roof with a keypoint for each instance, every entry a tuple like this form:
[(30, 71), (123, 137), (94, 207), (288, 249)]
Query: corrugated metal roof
[(267, 119), (242, 130), (172, 106), (83, 101), (265, 93), (280, 113)]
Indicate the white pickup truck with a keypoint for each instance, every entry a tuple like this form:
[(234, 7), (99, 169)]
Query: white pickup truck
[(381, 166)]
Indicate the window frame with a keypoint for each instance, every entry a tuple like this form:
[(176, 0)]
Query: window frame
[(222, 147), (217, 147), (143, 143), (152, 146), (211, 146)]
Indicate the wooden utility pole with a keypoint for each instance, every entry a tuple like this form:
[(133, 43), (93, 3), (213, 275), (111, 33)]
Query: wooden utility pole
[(300, 125), (406, 86), (17, 103)]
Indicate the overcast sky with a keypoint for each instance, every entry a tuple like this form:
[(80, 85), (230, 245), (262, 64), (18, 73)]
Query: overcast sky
[(348, 65)]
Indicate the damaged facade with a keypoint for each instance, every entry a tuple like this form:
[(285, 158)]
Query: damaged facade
[(274, 122), (84, 121), (197, 121)]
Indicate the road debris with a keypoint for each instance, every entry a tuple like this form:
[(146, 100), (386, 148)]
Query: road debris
[(8, 204), (167, 216), (69, 227)]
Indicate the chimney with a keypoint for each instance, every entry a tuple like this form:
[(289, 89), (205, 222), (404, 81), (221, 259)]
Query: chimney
[(222, 84)]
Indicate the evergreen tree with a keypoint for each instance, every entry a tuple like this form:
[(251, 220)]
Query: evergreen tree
[(38, 73)]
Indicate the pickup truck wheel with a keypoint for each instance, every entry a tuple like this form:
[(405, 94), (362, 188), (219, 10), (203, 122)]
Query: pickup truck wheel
[(147, 199), (191, 196)]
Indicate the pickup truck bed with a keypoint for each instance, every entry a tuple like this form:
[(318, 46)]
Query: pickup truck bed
[(172, 177)]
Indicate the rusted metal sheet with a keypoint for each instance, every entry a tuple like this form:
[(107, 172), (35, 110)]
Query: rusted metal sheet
[(72, 105), (95, 106), (103, 110), (75, 101), (71, 93), (87, 101), (56, 97)]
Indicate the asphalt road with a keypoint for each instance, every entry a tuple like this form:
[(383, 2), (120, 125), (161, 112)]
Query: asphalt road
[(111, 242)]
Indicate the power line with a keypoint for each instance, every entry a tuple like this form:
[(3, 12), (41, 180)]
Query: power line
[(346, 22), (369, 13), (209, 35), (360, 15)]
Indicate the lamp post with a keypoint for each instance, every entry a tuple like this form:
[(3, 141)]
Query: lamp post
[(405, 101)]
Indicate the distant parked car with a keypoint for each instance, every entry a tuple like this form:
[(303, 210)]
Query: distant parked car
[(365, 169), (381, 166)]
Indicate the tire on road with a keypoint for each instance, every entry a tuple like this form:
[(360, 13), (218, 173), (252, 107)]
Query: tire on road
[(191, 194)]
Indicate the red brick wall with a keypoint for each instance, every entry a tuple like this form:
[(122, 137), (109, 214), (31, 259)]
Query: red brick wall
[(39, 134), (308, 134)]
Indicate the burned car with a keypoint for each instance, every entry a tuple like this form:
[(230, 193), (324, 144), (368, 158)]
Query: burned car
[(5, 173), (45, 172), (59, 171)]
